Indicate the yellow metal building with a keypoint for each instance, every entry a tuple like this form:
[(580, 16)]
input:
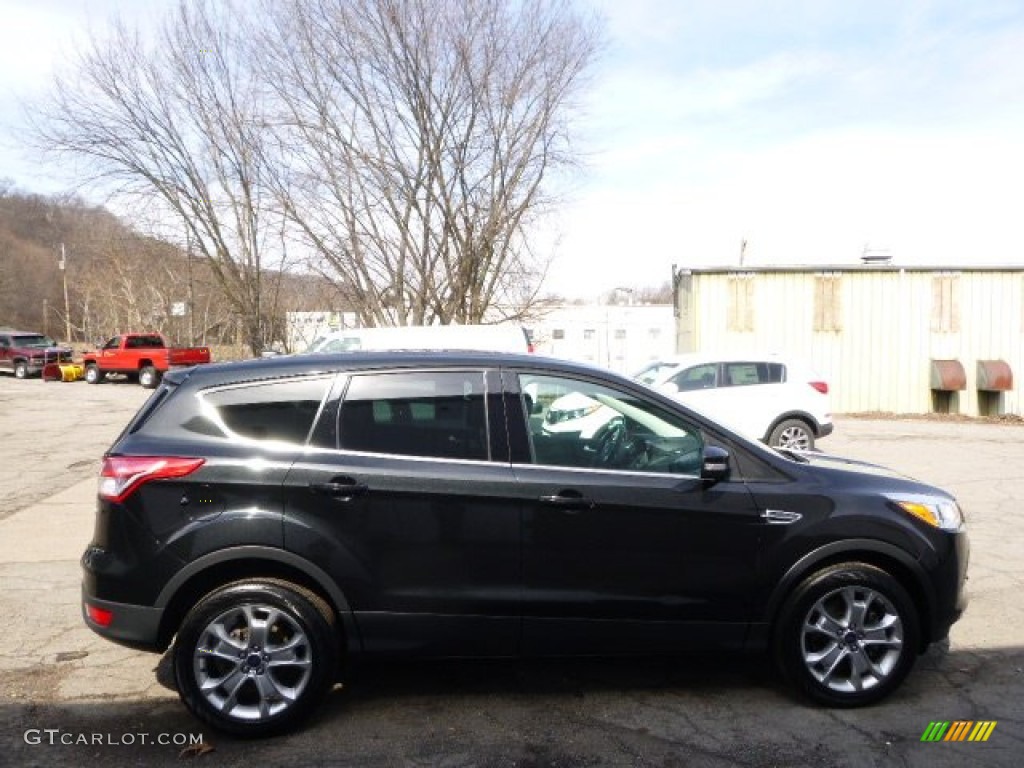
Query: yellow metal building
[(888, 338)]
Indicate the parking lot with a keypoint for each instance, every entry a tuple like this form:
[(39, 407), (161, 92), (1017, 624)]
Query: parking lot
[(69, 698)]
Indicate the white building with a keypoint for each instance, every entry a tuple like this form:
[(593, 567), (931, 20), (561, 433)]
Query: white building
[(887, 338), (618, 337)]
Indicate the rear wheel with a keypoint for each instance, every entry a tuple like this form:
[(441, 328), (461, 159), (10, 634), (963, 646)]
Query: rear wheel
[(149, 377), (793, 434), (255, 658), (847, 636)]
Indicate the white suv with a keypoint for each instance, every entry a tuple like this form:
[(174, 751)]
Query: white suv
[(775, 400)]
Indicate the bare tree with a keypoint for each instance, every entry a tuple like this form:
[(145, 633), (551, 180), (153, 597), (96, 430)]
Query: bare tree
[(178, 122), (419, 134)]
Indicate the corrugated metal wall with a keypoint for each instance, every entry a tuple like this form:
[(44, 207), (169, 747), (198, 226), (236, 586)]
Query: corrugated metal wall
[(891, 324)]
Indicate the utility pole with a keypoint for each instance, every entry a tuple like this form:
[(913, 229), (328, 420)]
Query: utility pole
[(63, 263), (191, 294)]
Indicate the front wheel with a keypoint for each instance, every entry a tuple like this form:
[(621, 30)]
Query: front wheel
[(92, 374), (21, 370), (847, 636), (148, 377), (254, 658), (793, 434)]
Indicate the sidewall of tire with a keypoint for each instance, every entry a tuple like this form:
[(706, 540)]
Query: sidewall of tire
[(783, 425), (149, 377), (92, 374), (309, 611), (787, 635)]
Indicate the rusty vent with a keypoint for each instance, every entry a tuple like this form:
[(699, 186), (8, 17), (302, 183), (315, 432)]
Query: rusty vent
[(948, 376), (994, 376)]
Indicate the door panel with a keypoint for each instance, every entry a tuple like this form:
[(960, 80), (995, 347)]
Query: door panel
[(646, 562), (415, 524), (426, 552), (625, 549)]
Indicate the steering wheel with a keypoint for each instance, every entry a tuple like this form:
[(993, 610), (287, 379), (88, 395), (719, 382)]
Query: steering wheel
[(610, 443)]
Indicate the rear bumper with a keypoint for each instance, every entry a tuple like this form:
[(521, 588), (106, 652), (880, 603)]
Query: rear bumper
[(136, 626)]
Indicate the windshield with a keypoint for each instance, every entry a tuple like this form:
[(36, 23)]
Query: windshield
[(653, 371), (335, 344), (34, 340)]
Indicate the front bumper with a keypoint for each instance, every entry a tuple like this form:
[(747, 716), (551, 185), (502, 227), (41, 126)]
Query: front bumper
[(951, 595), (36, 363)]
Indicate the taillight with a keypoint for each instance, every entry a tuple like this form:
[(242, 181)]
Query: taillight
[(101, 616), (122, 475), (821, 386)]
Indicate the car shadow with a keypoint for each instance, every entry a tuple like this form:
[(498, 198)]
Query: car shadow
[(370, 682), (724, 708)]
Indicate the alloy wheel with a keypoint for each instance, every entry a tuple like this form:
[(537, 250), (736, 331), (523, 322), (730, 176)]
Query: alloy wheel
[(852, 639), (252, 662)]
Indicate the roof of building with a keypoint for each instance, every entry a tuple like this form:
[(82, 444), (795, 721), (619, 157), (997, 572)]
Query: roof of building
[(852, 268)]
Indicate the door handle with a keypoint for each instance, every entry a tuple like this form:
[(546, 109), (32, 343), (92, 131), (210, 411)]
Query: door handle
[(342, 491), (569, 501)]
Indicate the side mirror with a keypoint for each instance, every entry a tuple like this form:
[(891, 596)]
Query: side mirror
[(715, 466)]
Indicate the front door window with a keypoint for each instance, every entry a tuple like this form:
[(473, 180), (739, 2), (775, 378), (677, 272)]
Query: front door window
[(575, 423)]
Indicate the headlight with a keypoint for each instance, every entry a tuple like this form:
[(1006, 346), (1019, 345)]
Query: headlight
[(941, 513)]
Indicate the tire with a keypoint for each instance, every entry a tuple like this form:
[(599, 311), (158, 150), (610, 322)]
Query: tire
[(794, 434), (21, 370), (149, 377), (92, 374), (847, 636), (225, 673)]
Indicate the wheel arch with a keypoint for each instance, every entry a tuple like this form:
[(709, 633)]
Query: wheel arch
[(216, 569), (894, 561)]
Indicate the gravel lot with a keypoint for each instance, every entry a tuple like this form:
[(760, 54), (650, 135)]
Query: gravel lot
[(59, 682)]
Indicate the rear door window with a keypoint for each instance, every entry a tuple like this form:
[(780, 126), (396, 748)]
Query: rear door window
[(746, 374), (439, 414)]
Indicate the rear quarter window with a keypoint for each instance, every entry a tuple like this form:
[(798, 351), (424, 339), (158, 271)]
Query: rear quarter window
[(281, 411)]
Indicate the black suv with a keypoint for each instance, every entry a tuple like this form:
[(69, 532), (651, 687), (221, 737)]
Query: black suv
[(275, 517)]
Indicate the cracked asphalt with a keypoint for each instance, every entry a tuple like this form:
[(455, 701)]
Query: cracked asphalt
[(112, 706)]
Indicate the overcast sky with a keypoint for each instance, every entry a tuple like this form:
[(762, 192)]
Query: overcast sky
[(809, 129)]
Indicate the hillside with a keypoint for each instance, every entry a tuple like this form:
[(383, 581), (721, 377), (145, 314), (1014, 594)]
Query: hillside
[(119, 279)]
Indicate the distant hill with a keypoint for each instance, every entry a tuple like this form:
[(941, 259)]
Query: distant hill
[(120, 279)]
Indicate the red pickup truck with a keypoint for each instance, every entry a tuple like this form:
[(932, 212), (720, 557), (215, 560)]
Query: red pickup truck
[(143, 355)]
